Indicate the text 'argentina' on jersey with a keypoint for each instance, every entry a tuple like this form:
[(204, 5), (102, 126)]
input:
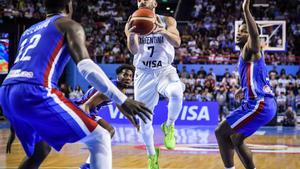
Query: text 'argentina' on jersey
[(146, 40)]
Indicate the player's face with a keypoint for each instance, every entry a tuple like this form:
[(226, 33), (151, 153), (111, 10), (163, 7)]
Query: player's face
[(242, 35), (151, 4), (125, 76)]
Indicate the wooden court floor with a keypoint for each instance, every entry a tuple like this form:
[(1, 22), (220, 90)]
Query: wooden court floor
[(273, 151)]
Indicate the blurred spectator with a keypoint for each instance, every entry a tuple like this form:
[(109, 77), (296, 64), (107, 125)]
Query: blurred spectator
[(290, 98), (210, 83), (273, 80), (235, 72), (280, 89), (290, 117), (283, 80), (206, 95), (221, 98), (297, 102), (281, 102)]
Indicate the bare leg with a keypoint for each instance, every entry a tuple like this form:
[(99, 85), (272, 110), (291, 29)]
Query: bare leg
[(226, 147), (10, 140), (107, 126), (243, 151), (41, 151)]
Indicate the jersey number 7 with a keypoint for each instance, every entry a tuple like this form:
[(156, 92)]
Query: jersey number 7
[(152, 50)]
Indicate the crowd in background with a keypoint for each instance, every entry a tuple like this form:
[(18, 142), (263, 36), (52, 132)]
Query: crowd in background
[(207, 36), (205, 86), (212, 29)]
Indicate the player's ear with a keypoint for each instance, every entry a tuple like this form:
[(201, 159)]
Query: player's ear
[(67, 9), (154, 3)]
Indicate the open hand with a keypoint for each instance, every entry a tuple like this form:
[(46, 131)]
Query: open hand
[(133, 108), (159, 28)]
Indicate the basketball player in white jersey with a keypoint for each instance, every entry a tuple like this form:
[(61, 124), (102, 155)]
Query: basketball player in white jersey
[(153, 56)]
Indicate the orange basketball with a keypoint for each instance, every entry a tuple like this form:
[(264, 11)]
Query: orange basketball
[(144, 21)]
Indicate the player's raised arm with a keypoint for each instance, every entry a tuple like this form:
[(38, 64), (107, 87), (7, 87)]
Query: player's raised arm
[(171, 32), (253, 44), (132, 38)]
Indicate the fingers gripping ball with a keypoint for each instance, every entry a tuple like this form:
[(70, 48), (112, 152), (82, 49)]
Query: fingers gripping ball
[(143, 20)]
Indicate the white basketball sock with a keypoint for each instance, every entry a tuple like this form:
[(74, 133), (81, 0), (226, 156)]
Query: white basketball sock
[(99, 145), (88, 160), (147, 133), (230, 168), (174, 93)]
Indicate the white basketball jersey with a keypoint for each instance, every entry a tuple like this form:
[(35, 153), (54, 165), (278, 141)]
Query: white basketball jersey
[(154, 51)]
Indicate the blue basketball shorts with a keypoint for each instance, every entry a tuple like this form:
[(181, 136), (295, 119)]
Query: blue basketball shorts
[(251, 115), (42, 114)]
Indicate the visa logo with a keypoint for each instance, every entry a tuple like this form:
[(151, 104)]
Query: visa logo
[(192, 113), (115, 113), (188, 113)]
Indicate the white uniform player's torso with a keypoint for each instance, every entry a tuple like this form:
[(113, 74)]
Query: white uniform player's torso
[(154, 52)]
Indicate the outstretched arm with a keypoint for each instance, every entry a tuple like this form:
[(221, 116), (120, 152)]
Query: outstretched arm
[(75, 38), (252, 46), (98, 98)]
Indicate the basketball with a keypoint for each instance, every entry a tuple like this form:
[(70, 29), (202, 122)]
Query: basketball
[(144, 21)]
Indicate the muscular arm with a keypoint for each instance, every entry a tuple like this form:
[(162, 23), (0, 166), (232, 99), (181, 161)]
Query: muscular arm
[(252, 47), (98, 98), (94, 101), (171, 32), (75, 38), (132, 39)]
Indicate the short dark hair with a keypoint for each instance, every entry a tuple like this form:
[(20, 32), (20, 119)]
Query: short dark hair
[(125, 66), (56, 6)]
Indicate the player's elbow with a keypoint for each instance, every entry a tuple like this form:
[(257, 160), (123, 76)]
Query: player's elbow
[(132, 49), (177, 43), (255, 48)]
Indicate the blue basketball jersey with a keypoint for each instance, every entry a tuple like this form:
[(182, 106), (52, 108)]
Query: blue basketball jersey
[(254, 78), (42, 55)]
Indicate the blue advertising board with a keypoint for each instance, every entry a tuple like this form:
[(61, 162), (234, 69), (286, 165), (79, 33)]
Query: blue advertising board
[(192, 113)]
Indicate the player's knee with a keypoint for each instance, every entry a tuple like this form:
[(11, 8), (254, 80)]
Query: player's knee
[(218, 131), (176, 95), (237, 139), (175, 91), (98, 136), (46, 151), (146, 128), (112, 132)]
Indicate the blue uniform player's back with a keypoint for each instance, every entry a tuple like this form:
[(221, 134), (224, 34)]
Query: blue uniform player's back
[(29, 98), (42, 55)]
